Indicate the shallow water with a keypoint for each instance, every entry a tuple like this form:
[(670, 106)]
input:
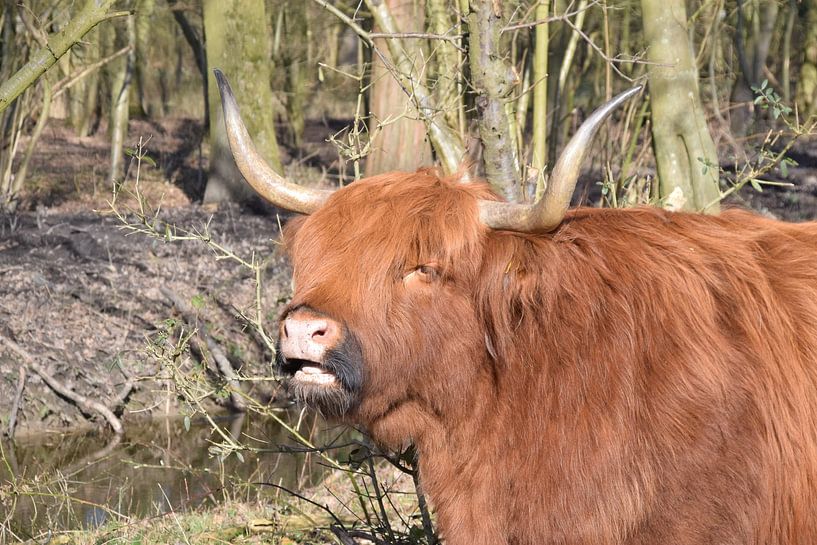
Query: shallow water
[(86, 479)]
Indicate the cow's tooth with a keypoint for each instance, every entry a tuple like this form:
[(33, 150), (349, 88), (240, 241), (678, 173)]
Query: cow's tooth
[(308, 374)]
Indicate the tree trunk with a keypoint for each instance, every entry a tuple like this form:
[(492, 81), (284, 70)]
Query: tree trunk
[(752, 45), (82, 97), (12, 55), (120, 95), (540, 97), (807, 84), (237, 42), (197, 45), (22, 171), (447, 143), (388, 100), (493, 81), (446, 64), (295, 57), (144, 15), (685, 155)]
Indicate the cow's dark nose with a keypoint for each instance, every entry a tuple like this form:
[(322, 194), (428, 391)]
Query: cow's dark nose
[(306, 335)]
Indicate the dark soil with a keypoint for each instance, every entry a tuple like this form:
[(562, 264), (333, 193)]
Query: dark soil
[(82, 295)]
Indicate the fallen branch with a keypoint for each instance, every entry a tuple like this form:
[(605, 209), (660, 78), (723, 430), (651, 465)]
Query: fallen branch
[(222, 363), (342, 535), (15, 407), (127, 388), (86, 405)]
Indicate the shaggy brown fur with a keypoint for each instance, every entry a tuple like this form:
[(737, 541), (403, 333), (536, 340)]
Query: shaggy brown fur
[(635, 377)]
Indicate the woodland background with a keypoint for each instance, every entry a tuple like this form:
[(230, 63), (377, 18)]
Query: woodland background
[(140, 278)]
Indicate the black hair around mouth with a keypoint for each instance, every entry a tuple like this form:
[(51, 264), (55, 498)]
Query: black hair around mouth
[(345, 362)]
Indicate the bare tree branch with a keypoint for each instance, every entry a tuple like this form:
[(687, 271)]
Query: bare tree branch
[(57, 45), (68, 81), (551, 19), (454, 39)]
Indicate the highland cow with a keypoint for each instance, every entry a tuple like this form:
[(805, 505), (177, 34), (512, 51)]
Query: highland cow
[(596, 377)]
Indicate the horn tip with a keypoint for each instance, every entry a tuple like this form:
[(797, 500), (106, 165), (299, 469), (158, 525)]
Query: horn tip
[(225, 90), (221, 80), (631, 92)]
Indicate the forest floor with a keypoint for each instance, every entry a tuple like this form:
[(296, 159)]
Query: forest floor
[(80, 292)]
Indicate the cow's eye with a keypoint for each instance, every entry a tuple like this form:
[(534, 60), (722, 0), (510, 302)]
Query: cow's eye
[(424, 274), (427, 273)]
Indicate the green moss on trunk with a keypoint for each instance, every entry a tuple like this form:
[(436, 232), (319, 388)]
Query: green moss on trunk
[(238, 42), (684, 152), (807, 83)]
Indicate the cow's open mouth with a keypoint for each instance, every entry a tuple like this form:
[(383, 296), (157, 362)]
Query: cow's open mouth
[(332, 384), (309, 372)]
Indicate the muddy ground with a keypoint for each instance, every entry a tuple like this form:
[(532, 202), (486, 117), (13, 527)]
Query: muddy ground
[(83, 295)]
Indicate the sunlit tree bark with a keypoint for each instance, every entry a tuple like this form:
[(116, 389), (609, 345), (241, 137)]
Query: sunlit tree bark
[(441, 20), (540, 95), (389, 102), (123, 70), (446, 142), (237, 42), (493, 80), (685, 155)]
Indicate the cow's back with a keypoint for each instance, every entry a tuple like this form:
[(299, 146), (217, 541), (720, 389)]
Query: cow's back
[(751, 317), (673, 360)]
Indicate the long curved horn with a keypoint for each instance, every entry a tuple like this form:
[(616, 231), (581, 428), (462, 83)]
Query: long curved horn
[(266, 182), (548, 212)]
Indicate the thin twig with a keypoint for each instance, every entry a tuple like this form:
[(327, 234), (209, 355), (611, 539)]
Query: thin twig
[(547, 20), (350, 534), (454, 39), (565, 18), (303, 498), (69, 80), (378, 494), (446, 142), (428, 526), (611, 61), (222, 363), (39, 35)]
